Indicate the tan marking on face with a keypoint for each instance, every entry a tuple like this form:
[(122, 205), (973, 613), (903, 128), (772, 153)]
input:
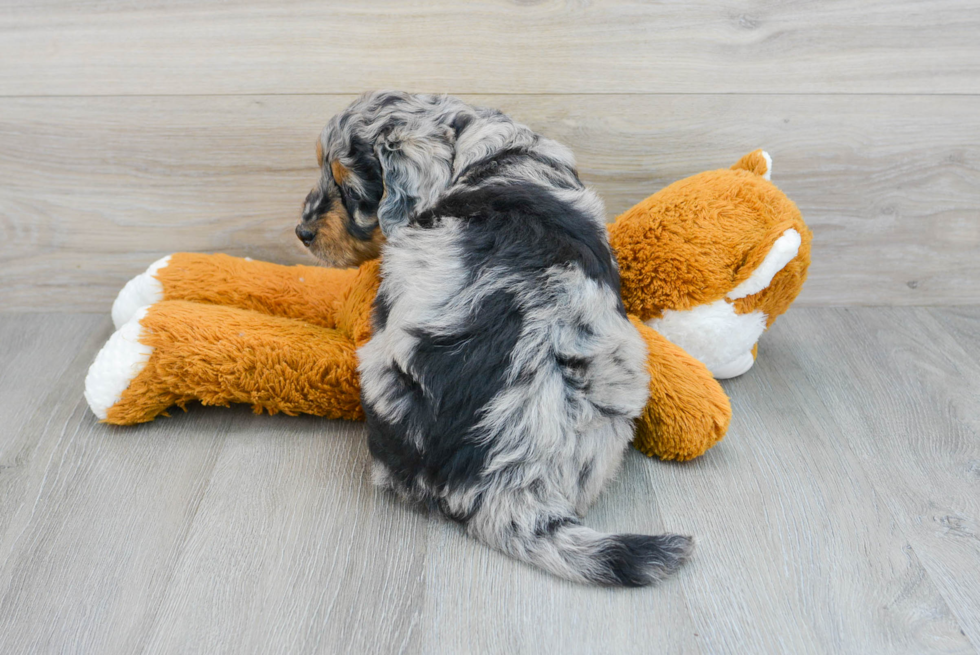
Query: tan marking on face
[(335, 246), (339, 172), (319, 153)]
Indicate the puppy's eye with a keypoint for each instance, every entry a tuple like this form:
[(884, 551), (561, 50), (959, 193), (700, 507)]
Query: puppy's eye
[(352, 195)]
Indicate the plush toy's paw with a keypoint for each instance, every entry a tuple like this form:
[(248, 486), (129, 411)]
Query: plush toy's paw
[(144, 289), (734, 368), (715, 335), (688, 411), (121, 359)]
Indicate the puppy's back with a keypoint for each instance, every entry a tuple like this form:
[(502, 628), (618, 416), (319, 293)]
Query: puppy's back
[(503, 377)]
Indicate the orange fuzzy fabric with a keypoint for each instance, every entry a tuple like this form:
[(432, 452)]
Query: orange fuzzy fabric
[(694, 241), (688, 412), (222, 355), (308, 293), (284, 338), (230, 330)]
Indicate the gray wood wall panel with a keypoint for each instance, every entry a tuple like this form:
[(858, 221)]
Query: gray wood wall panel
[(61, 47), (95, 189)]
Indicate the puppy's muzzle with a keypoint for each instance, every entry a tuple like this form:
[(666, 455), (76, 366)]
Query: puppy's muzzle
[(306, 234)]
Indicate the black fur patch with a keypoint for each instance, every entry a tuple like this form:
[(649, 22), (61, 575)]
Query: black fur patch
[(460, 123), (319, 203), (549, 525), (524, 228), (458, 375), (379, 317), (636, 560), (574, 371), (366, 167)]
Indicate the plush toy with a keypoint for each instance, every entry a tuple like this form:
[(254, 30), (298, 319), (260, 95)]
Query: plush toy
[(711, 261), (708, 262)]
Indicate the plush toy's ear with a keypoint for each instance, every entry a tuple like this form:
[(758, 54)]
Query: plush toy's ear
[(758, 162), (416, 165)]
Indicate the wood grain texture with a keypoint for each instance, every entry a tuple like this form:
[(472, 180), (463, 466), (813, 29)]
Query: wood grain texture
[(62, 47), (95, 189), (839, 515), (797, 528), (901, 394)]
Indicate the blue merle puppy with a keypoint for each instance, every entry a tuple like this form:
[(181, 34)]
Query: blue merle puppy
[(503, 377)]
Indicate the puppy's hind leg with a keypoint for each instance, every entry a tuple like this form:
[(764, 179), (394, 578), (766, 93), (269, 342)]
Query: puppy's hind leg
[(600, 456)]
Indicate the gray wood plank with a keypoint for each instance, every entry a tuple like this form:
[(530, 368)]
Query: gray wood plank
[(92, 517), (963, 325), (303, 46), (798, 549), (293, 551), (40, 357), (97, 188), (896, 390)]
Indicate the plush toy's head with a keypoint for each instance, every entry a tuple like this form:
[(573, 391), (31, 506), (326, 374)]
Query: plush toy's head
[(711, 261)]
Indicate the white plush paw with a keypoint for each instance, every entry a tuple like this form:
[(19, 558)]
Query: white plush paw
[(120, 360), (144, 289), (734, 368), (714, 335)]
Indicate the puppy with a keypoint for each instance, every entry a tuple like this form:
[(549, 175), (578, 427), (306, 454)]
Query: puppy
[(503, 377)]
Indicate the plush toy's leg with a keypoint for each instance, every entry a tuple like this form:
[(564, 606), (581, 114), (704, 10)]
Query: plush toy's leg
[(176, 351), (144, 289), (310, 293), (688, 412)]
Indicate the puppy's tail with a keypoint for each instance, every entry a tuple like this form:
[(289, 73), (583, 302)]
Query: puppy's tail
[(562, 546)]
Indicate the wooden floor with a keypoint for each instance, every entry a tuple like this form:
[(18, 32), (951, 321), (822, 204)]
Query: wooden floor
[(841, 514)]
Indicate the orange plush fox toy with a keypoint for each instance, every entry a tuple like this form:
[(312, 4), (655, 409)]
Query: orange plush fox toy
[(707, 264)]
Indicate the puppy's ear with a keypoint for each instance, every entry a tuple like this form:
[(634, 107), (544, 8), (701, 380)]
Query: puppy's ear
[(416, 166)]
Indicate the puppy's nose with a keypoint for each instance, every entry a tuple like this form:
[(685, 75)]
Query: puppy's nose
[(305, 234)]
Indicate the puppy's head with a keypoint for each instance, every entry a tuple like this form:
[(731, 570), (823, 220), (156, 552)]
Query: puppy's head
[(382, 158), (340, 215)]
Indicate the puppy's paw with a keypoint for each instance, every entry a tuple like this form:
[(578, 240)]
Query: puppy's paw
[(117, 364), (144, 289)]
